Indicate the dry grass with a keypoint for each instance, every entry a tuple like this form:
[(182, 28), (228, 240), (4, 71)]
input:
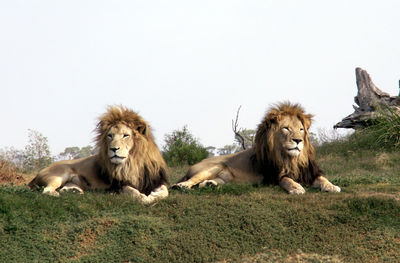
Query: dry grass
[(9, 175), (273, 256), (86, 241)]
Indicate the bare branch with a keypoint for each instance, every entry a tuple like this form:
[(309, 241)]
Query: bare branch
[(238, 136)]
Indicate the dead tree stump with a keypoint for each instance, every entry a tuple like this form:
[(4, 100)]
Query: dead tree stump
[(369, 98)]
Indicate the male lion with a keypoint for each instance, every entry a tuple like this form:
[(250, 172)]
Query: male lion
[(128, 161), (282, 155)]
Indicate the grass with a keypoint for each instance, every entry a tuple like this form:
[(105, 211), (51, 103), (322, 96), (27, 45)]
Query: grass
[(232, 223)]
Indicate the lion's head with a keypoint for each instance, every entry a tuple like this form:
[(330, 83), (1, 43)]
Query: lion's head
[(282, 139), (127, 152), (119, 143)]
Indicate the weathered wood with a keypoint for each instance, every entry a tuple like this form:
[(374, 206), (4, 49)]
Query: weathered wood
[(369, 98), (238, 136)]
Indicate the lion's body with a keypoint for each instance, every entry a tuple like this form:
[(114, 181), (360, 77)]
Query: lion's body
[(82, 172), (235, 168), (282, 155), (128, 160)]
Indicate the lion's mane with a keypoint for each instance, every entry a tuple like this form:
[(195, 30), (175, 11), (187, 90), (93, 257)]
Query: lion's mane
[(145, 168), (268, 158)]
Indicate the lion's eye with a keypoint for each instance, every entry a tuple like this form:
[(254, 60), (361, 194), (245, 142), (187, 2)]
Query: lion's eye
[(285, 128), (126, 135), (302, 130), (110, 136)]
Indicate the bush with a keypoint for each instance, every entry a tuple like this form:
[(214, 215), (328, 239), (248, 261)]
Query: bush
[(181, 148), (37, 153)]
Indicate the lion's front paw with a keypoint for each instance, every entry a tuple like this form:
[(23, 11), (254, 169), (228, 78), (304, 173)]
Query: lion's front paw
[(298, 190), (132, 192), (330, 188), (182, 185)]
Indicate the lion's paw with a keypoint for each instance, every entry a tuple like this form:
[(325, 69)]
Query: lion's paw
[(51, 192), (182, 185), (72, 189), (132, 192), (208, 183), (330, 188), (298, 190)]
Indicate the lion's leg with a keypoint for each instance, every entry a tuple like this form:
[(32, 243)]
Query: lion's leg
[(291, 186), (66, 181), (157, 194), (52, 185), (207, 174), (325, 186), (52, 178), (52, 182), (222, 178)]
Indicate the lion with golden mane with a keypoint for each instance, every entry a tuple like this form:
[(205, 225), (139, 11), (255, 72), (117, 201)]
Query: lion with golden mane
[(128, 161), (282, 154)]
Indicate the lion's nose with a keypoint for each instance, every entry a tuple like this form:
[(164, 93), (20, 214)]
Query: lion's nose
[(297, 140), (114, 149)]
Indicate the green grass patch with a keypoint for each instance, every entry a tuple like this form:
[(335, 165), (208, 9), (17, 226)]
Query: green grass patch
[(229, 223), (197, 226)]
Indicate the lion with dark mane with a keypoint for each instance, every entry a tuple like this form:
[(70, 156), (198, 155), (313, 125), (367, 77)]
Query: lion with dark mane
[(282, 154), (128, 161)]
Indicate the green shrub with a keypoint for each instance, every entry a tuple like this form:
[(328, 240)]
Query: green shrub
[(181, 148), (37, 153)]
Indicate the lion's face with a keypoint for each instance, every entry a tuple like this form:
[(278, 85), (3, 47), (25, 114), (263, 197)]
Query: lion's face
[(290, 136), (120, 143)]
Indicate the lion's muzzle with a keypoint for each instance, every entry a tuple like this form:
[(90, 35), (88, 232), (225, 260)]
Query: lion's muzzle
[(117, 159), (294, 147)]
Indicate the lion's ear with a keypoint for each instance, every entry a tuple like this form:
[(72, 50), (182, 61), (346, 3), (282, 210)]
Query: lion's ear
[(142, 128), (307, 120), (272, 118)]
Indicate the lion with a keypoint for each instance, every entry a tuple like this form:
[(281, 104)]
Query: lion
[(282, 155), (128, 161)]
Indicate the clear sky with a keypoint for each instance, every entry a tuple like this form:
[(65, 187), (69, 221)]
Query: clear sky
[(186, 63)]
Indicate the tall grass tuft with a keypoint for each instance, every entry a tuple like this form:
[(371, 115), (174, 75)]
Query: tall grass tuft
[(383, 134)]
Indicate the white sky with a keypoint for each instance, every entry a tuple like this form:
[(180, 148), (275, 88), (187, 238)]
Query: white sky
[(186, 62)]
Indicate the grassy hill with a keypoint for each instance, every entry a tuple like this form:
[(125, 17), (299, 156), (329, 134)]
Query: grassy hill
[(232, 223)]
